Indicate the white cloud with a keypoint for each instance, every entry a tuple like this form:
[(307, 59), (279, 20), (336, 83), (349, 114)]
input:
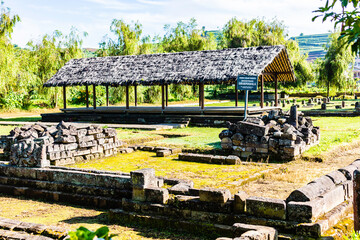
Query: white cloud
[(95, 16)]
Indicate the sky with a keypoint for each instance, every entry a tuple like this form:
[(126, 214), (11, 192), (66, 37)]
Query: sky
[(40, 17)]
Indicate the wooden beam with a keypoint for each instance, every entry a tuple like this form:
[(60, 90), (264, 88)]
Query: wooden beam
[(107, 96), (276, 91), (135, 92), (87, 95), (236, 94), (127, 96), (356, 199), (262, 91), (94, 97), (275, 73), (64, 96), (167, 94)]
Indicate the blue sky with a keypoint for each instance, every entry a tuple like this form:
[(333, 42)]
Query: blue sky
[(40, 17)]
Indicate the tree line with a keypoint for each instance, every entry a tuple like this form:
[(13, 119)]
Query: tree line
[(23, 71)]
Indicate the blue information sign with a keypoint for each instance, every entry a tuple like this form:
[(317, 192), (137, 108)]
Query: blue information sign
[(246, 82)]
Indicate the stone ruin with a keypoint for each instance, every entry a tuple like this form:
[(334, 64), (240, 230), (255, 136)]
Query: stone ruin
[(278, 135), (39, 145)]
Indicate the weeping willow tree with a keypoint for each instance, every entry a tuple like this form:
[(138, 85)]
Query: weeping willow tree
[(334, 71)]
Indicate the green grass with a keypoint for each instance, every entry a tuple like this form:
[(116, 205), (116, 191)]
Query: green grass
[(22, 119), (203, 175), (334, 131)]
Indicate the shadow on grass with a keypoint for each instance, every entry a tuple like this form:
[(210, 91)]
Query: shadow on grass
[(102, 219)]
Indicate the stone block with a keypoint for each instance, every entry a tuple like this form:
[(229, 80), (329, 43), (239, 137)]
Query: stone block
[(143, 178), (266, 207), (214, 195), (179, 189), (237, 139), (163, 153), (175, 150), (232, 160), (348, 171), (226, 143), (239, 201), (333, 198), (337, 177), (157, 195), (218, 159), (251, 128), (305, 211), (138, 194), (312, 190)]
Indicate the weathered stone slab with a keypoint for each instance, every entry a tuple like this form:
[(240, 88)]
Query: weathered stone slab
[(266, 207), (251, 128), (312, 190), (163, 153), (333, 198), (337, 177), (143, 178), (348, 171), (305, 211), (239, 201), (179, 189), (157, 195), (214, 195)]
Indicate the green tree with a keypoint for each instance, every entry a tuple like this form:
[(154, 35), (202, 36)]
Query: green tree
[(334, 71), (348, 17)]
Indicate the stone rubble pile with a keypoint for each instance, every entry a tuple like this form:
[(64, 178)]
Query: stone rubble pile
[(276, 134), (40, 146)]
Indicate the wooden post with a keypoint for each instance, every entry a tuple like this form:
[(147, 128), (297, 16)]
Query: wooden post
[(262, 92), (199, 94), (135, 92), (127, 96), (64, 96), (87, 95), (107, 96), (356, 193), (202, 96), (94, 97), (167, 94), (163, 96), (236, 94), (276, 90)]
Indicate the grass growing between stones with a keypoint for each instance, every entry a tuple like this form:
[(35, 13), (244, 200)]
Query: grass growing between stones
[(203, 175), (72, 217)]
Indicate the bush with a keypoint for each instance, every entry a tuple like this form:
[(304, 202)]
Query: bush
[(83, 233)]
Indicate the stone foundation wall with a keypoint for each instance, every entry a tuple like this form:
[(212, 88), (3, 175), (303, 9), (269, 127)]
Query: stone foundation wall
[(40, 146), (275, 135)]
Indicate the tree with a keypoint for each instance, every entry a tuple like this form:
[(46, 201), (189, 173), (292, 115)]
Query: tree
[(253, 33), (334, 71), (348, 18)]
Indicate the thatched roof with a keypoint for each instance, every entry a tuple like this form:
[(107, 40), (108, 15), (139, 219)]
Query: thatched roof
[(209, 67)]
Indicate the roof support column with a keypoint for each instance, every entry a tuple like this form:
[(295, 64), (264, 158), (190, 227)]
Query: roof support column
[(127, 96), (167, 94), (94, 96), (276, 90), (236, 95), (107, 95), (163, 96), (64, 96), (201, 95), (87, 95), (262, 91), (135, 92)]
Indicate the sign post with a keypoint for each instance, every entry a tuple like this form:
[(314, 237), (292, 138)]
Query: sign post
[(247, 83)]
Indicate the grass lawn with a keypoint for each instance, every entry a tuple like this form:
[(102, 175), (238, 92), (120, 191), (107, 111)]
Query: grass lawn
[(273, 180)]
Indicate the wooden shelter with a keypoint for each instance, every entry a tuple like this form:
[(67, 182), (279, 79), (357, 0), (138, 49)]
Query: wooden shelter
[(270, 63)]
